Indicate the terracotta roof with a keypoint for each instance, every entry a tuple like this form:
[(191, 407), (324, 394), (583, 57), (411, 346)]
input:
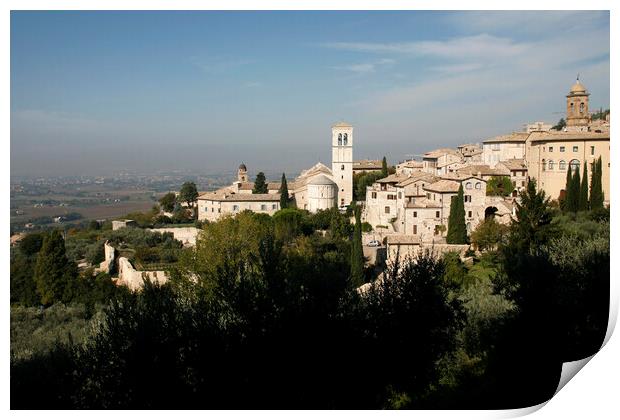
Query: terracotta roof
[(568, 135), (423, 203), (320, 180), (433, 154), (367, 164), (417, 176), (443, 185), (516, 137), (514, 164), (394, 178), (481, 169)]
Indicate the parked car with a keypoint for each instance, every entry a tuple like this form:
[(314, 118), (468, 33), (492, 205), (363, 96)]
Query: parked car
[(374, 242), (343, 208)]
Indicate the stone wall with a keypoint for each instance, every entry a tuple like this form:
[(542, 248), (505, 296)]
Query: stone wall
[(187, 235), (134, 279), (108, 262)]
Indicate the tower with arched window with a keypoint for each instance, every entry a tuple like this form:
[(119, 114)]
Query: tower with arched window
[(342, 161), (577, 113)]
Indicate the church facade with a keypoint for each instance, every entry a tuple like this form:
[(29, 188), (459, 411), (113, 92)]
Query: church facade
[(316, 188)]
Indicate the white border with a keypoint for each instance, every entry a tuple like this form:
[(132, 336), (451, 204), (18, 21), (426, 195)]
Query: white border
[(592, 394)]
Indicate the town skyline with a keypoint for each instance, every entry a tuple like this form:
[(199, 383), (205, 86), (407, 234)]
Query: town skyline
[(202, 96)]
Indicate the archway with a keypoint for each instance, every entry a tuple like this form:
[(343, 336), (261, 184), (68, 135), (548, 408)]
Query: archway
[(489, 213)]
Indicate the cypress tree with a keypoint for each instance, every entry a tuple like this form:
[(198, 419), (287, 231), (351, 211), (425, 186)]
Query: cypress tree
[(596, 189), (384, 168), (583, 193), (260, 186), (572, 199), (52, 272), (283, 192), (357, 252), (457, 231), (569, 179)]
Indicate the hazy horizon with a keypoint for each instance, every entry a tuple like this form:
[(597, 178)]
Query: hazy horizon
[(98, 92)]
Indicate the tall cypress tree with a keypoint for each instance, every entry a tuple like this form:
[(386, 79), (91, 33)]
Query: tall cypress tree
[(384, 168), (583, 193), (574, 191), (596, 189), (569, 179), (357, 252), (283, 192), (457, 231)]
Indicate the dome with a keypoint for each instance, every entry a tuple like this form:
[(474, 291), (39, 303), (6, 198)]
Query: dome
[(321, 180), (242, 167), (578, 87)]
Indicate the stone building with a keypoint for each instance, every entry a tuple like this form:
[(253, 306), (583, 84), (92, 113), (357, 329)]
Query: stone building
[(317, 188), (504, 147), (367, 165), (440, 161)]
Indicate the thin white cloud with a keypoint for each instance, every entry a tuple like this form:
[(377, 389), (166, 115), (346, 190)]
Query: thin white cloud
[(482, 45), (370, 67)]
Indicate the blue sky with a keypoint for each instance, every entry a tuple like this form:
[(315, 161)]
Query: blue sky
[(96, 92)]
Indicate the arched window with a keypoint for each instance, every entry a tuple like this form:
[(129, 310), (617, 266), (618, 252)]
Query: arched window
[(478, 185), (574, 165), (550, 164), (342, 167), (339, 139), (544, 165), (468, 185), (581, 106), (346, 138), (562, 165), (572, 107)]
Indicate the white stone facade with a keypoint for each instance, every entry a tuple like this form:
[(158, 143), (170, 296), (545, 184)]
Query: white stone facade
[(342, 161)]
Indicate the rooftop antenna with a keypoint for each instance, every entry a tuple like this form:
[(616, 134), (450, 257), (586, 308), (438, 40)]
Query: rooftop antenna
[(577, 76)]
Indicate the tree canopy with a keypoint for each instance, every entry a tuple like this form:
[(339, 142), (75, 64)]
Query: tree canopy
[(260, 185), (457, 231)]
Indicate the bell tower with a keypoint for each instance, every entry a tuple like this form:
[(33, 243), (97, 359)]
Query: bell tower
[(577, 113), (242, 173), (342, 161)]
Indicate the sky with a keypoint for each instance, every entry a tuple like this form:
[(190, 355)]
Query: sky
[(94, 93)]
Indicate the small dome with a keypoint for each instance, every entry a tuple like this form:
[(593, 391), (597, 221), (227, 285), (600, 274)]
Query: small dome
[(242, 167), (321, 180), (578, 87)]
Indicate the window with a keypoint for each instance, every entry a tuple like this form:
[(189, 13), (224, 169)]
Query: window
[(273, 207), (544, 165), (574, 165), (468, 198), (374, 195), (551, 148), (562, 148), (415, 214), (342, 167), (592, 150), (437, 214), (345, 139), (575, 148), (523, 183), (469, 213), (581, 107), (212, 210), (572, 107), (415, 229), (387, 209), (339, 139), (235, 207), (391, 196), (400, 195), (562, 165), (478, 185), (468, 186), (550, 165), (263, 207)]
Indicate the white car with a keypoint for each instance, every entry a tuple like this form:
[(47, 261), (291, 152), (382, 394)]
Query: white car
[(374, 242), (343, 208)]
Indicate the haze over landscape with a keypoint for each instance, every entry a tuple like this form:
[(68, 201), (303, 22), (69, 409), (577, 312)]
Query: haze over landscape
[(96, 92)]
